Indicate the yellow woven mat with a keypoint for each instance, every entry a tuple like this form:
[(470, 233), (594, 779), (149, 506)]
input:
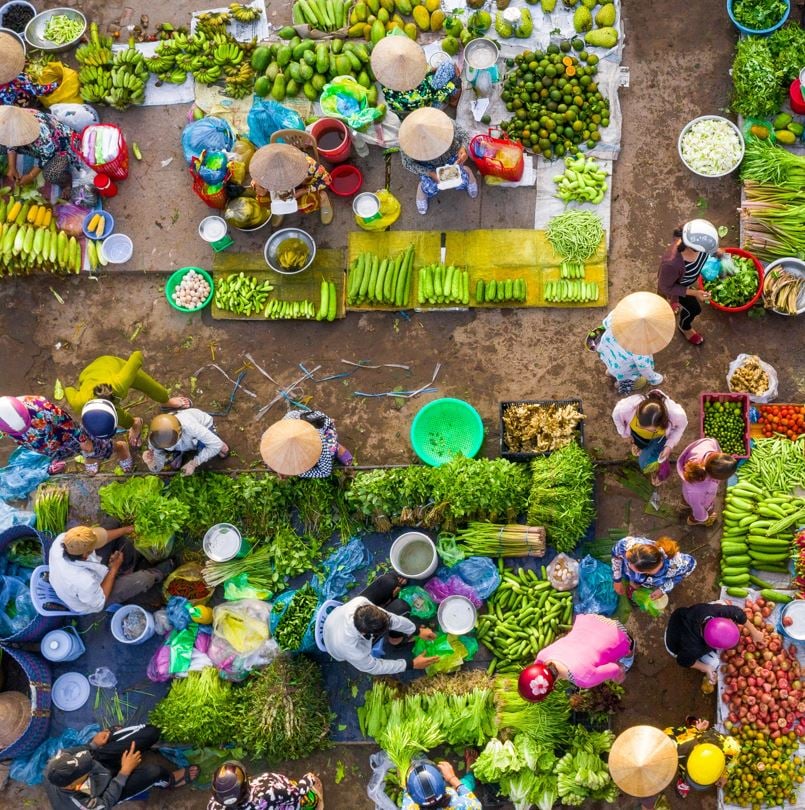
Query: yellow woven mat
[(328, 265), (487, 255)]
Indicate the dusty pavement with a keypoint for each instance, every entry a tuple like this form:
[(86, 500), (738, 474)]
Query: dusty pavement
[(679, 64)]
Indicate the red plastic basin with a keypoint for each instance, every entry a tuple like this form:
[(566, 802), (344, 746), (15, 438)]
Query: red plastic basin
[(756, 297), (346, 180)]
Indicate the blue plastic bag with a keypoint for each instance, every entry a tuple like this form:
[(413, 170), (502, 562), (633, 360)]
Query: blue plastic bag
[(480, 573), (711, 269), (345, 98), (339, 569), (267, 117), (26, 470), (16, 607), (213, 167), (209, 134), (31, 768), (595, 593), (9, 516)]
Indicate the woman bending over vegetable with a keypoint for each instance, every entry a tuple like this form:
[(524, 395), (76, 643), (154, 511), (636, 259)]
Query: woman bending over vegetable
[(657, 565), (653, 424), (702, 467)]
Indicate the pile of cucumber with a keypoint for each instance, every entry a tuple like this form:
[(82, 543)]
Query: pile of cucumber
[(443, 285), (500, 291), (373, 280), (571, 291)]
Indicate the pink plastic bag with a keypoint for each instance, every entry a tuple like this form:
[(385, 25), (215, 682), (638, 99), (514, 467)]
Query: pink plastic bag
[(452, 586), (70, 218)]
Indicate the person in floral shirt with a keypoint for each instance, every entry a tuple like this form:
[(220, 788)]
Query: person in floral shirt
[(231, 788), (36, 424), (16, 87)]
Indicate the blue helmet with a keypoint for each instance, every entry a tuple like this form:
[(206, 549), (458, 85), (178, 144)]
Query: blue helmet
[(425, 784), (99, 418)]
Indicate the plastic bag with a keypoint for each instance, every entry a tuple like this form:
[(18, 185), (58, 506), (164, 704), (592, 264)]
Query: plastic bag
[(380, 764), (452, 650), (345, 98), (243, 624), (181, 644), (239, 159), (69, 89), (239, 588), (31, 768), (26, 470), (340, 568), (267, 117), (234, 666), (76, 116), (16, 607), (246, 212), (422, 606), (190, 574), (212, 167), (711, 269), (453, 586), (389, 213), (448, 550), (767, 396), (563, 572), (595, 594), (9, 516), (208, 134), (480, 573), (70, 218)]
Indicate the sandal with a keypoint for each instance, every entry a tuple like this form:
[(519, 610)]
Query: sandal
[(696, 339), (91, 467), (126, 464), (472, 184), (421, 200), (136, 434), (326, 210), (343, 456), (189, 774)]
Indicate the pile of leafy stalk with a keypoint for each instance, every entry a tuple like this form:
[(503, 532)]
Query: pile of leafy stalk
[(561, 497), (452, 495), (598, 703), (756, 79), (737, 289), (787, 48), (766, 163), (156, 517), (758, 15)]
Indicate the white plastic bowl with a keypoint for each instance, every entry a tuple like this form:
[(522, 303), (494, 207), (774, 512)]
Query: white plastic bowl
[(117, 248), (735, 129)]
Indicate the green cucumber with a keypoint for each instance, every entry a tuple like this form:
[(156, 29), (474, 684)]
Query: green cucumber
[(740, 593), (776, 596)]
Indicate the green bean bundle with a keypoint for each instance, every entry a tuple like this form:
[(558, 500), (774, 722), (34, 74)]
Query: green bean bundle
[(575, 235)]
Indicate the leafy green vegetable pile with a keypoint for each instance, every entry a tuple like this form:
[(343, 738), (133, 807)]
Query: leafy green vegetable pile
[(453, 494), (787, 47), (737, 289), (757, 81), (758, 15), (561, 496)]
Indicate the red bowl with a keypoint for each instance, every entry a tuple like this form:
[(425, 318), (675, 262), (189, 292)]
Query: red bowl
[(346, 180), (745, 254)]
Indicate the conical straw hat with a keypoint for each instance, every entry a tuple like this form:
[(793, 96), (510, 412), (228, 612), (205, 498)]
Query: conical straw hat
[(399, 63), (18, 127), (278, 166), (12, 58), (290, 446), (643, 323), (15, 715), (643, 761), (426, 133)]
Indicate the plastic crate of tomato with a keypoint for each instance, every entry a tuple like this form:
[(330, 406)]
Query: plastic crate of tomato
[(725, 417), (782, 419)]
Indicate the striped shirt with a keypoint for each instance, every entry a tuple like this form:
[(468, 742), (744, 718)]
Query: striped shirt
[(693, 270)]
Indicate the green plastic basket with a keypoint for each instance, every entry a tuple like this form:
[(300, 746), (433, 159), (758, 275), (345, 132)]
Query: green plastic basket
[(446, 428), (175, 279)]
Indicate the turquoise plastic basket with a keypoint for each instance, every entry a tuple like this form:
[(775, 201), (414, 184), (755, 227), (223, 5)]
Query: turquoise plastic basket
[(446, 428)]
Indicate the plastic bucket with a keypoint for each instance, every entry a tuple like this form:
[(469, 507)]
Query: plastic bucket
[(224, 542), (62, 645), (456, 615), (346, 180), (212, 229), (366, 206), (119, 617), (332, 139), (117, 248), (413, 555), (70, 691), (8, 6)]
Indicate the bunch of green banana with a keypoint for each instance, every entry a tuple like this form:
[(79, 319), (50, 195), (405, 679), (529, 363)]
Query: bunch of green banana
[(244, 14), (240, 83), (228, 53), (24, 248), (207, 56), (120, 82), (96, 82), (211, 23), (98, 51)]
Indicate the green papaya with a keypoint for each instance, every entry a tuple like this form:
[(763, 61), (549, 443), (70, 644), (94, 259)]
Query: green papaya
[(355, 64), (271, 71), (371, 95), (796, 128), (278, 88), (310, 91), (304, 45), (294, 71), (322, 58), (364, 80), (262, 86), (606, 16), (260, 58), (292, 88), (785, 136), (602, 37), (284, 55), (524, 28), (582, 19), (286, 33), (782, 121), (318, 81), (309, 58), (337, 45), (378, 32), (342, 65), (305, 71)]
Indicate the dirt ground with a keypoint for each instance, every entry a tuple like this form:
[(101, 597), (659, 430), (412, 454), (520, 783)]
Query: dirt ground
[(679, 63)]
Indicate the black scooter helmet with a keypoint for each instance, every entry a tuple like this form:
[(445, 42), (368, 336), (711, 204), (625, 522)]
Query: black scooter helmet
[(230, 784)]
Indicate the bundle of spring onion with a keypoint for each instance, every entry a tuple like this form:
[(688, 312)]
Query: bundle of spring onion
[(502, 540), (51, 504), (773, 220), (766, 163), (545, 722), (256, 565)]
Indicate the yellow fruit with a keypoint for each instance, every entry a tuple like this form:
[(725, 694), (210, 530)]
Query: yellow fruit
[(361, 12), (48, 218), (101, 226), (356, 30), (422, 18), (93, 223), (390, 26), (14, 211), (40, 216), (411, 30), (388, 5), (383, 16), (432, 5), (21, 217), (436, 20), (32, 212), (398, 19)]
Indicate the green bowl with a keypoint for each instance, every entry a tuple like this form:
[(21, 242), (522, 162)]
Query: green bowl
[(175, 280), (446, 428)]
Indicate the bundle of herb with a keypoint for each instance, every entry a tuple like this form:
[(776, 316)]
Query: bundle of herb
[(582, 773), (405, 738), (200, 709), (787, 48), (561, 498), (737, 289), (758, 15), (212, 498), (51, 505), (598, 703), (264, 502), (373, 715), (547, 722), (283, 710), (757, 82), (122, 500)]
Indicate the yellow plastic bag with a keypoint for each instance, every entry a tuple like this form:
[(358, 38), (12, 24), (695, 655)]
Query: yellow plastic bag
[(68, 91), (240, 157), (243, 624), (389, 212)]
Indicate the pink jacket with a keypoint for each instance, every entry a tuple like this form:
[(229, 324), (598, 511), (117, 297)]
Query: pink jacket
[(624, 412), (590, 651)]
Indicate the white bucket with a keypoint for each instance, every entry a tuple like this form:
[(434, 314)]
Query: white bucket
[(62, 645), (117, 624), (414, 551), (224, 542), (70, 691), (366, 206), (796, 612)]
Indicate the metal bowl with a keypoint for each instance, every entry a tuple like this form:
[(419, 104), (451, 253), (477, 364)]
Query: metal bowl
[(35, 30), (795, 267), (277, 238)]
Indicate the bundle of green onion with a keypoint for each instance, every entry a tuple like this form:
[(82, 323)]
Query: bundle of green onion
[(51, 505), (502, 540), (545, 722), (764, 162), (773, 221)]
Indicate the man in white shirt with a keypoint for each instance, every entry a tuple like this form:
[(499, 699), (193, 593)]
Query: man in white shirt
[(87, 581), (188, 432), (351, 630)]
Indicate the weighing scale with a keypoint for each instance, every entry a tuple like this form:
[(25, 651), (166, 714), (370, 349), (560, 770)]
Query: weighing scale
[(215, 231)]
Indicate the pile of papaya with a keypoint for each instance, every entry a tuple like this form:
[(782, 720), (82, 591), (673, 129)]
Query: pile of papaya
[(373, 19), (299, 66)]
